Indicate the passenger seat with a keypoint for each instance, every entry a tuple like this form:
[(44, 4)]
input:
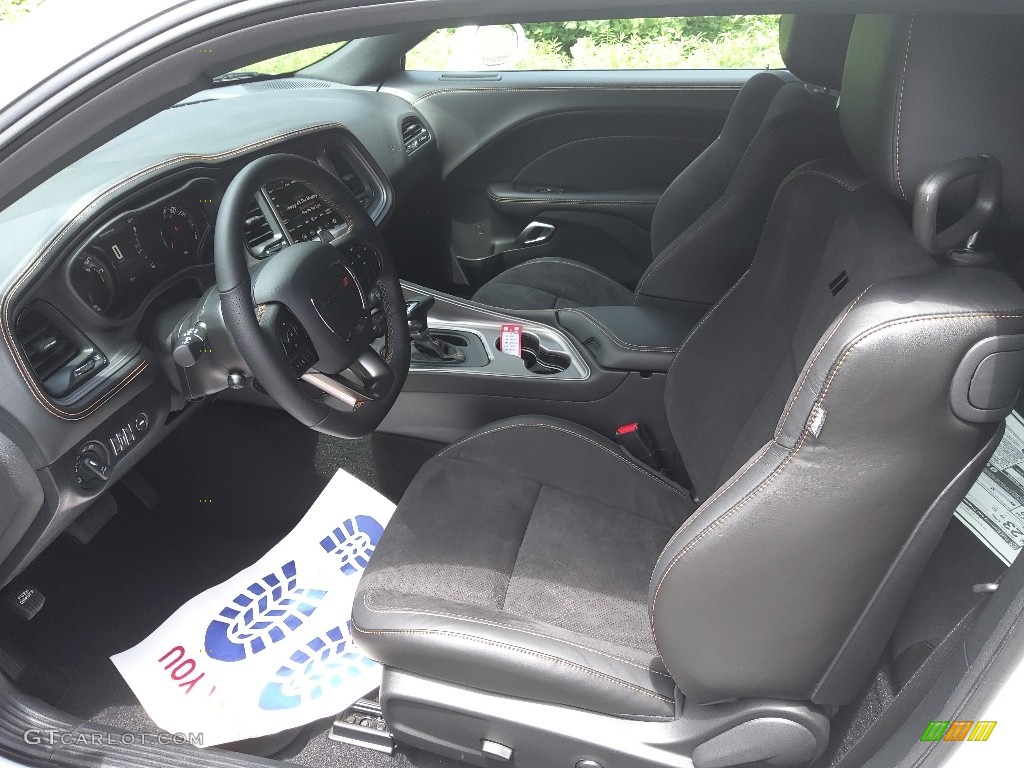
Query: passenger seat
[(708, 222)]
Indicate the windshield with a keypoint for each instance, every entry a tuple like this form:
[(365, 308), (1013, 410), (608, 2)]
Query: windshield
[(290, 63)]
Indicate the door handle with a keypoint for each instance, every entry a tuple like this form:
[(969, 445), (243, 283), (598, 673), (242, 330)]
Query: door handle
[(535, 233)]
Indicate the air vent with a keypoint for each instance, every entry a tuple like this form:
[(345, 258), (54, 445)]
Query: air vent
[(259, 236), (355, 183), (61, 357), (414, 134)]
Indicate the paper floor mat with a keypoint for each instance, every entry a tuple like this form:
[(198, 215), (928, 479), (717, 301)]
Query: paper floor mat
[(270, 648)]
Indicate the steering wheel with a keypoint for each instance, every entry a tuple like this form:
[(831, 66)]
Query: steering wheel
[(311, 314)]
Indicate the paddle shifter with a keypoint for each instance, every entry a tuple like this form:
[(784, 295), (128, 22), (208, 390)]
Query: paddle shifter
[(426, 347)]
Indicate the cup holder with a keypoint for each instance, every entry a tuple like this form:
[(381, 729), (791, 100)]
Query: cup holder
[(536, 358)]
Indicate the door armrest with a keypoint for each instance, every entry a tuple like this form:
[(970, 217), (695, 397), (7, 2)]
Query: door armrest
[(635, 205)]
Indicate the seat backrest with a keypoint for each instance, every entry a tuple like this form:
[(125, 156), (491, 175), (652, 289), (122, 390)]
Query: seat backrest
[(815, 406), (706, 226)]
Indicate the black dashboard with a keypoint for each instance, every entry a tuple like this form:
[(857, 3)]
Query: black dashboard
[(102, 258)]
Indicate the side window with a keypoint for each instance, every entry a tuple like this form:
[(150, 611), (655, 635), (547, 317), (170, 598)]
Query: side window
[(688, 42)]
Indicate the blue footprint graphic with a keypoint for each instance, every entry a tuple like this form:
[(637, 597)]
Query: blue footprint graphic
[(323, 665), (353, 542), (264, 614)]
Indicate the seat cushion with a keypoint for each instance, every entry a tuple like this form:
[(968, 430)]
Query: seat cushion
[(518, 562), (551, 283)]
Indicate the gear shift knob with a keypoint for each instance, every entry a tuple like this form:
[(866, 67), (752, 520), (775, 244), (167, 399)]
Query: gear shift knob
[(427, 347), (416, 313)]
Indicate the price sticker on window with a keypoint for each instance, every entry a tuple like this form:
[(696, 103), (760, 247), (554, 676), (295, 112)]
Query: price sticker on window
[(512, 339)]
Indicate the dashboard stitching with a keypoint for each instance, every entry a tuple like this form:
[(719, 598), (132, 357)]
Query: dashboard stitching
[(9, 296)]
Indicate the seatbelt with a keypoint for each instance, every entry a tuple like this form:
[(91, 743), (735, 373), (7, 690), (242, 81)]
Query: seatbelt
[(911, 694)]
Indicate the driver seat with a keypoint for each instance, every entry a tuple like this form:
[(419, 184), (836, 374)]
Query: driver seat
[(541, 598)]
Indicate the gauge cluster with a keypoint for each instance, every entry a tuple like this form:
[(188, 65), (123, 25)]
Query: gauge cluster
[(129, 257)]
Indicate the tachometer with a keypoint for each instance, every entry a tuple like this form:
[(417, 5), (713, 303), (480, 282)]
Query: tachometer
[(179, 232), (93, 280)]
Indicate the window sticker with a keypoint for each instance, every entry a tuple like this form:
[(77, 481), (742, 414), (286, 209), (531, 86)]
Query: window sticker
[(994, 507)]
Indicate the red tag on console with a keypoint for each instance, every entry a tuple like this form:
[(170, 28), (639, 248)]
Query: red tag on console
[(512, 339)]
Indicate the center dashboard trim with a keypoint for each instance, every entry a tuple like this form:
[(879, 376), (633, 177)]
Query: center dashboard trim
[(12, 293)]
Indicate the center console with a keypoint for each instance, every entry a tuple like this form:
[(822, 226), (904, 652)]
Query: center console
[(454, 337), (601, 367)]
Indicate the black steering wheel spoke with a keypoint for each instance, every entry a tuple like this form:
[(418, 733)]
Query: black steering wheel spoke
[(375, 376), (310, 313), (280, 326)]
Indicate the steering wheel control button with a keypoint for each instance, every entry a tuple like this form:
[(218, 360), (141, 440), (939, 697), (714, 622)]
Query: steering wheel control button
[(296, 343), (190, 346), (365, 262)]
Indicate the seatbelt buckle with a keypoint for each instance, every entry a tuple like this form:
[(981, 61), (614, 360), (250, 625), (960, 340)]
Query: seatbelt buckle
[(634, 438)]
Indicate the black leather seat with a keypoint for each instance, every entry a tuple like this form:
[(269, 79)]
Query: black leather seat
[(828, 415), (707, 223)]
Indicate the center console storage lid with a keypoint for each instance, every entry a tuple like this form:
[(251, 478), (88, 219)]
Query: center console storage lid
[(631, 338)]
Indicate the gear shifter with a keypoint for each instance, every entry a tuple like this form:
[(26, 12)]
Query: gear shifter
[(429, 348)]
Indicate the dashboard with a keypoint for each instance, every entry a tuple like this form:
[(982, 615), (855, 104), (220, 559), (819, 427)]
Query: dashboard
[(104, 259)]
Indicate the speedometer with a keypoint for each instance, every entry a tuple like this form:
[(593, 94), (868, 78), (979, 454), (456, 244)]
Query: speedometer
[(179, 232)]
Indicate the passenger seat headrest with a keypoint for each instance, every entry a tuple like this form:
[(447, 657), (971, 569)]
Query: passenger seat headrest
[(813, 46), (920, 92)]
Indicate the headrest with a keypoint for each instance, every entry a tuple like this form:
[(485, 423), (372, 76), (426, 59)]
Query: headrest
[(920, 92), (814, 46)]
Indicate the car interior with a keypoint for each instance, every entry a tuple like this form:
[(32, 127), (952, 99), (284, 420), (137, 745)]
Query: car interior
[(772, 324)]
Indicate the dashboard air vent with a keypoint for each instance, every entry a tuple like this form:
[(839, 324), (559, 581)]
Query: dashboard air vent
[(357, 187), (414, 134), (258, 233), (355, 182), (61, 358)]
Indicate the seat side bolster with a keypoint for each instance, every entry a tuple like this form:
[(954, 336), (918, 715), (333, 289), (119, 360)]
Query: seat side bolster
[(476, 647)]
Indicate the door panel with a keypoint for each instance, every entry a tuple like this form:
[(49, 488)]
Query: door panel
[(588, 152)]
